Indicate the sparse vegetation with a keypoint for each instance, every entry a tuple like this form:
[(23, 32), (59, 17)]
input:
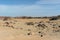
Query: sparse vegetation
[(43, 26), (53, 18), (6, 18), (39, 26), (7, 23), (30, 23), (56, 30), (29, 29)]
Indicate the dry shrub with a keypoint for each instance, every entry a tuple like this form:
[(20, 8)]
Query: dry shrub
[(30, 23), (53, 18), (7, 23), (6, 18), (56, 30), (41, 25)]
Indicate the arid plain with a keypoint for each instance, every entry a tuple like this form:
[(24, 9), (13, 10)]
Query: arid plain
[(29, 28)]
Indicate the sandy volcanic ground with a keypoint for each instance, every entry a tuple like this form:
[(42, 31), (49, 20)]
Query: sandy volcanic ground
[(29, 29)]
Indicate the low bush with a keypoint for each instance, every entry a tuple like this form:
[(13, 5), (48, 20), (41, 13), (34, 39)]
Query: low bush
[(30, 23), (53, 18)]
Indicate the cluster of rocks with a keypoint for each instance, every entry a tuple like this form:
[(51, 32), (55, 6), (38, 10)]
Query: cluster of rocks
[(40, 26), (11, 24), (7, 24), (55, 26)]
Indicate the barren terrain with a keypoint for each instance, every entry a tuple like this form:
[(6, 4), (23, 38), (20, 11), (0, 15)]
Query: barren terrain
[(29, 29)]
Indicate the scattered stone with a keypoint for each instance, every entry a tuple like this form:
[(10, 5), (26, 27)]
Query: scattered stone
[(39, 32), (7, 23), (41, 35), (42, 26), (59, 26), (29, 34)]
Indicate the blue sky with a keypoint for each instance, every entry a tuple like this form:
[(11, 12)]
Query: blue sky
[(29, 7)]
